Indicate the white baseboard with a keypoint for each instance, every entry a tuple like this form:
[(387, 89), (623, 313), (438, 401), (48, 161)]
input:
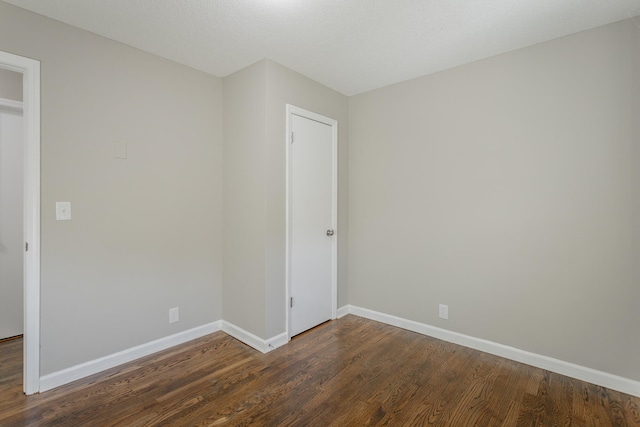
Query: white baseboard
[(343, 311), (65, 376), (254, 341), (604, 379), (277, 341)]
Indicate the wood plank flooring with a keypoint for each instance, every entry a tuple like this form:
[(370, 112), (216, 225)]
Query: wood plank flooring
[(347, 372)]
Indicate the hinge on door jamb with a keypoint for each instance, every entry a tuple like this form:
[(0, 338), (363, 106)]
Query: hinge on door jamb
[(26, 246), (291, 302), (292, 137)]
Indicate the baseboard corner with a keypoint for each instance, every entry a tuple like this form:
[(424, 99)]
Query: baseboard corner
[(343, 311)]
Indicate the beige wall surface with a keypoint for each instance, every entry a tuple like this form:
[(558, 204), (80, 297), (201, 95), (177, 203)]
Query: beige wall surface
[(10, 85), (243, 290), (146, 231), (285, 86), (635, 180), (508, 189), (255, 101)]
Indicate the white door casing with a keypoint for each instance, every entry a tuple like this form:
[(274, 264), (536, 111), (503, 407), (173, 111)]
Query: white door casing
[(30, 70), (311, 219)]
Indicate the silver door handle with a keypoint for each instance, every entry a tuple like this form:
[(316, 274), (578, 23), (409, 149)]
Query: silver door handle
[(329, 232)]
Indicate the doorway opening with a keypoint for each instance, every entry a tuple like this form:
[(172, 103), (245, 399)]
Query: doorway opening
[(30, 70), (11, 206)]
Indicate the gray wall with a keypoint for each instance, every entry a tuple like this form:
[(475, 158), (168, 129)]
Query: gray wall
[(243, 288), (285, 86), (255, 101), (10, 85), (508, 189), (146, 231)]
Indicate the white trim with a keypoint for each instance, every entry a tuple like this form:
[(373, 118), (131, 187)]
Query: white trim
[(604, 379), (343, 311), (65, 376), (30, 70), (277, 341), (11, 105), (293, 110), (334, 220), (263, 346), (288, 202)]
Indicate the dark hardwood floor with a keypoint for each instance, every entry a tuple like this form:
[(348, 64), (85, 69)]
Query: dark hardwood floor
[(347, 372)]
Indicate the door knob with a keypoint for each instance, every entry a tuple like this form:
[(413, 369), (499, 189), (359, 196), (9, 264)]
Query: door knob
[(329, 232)]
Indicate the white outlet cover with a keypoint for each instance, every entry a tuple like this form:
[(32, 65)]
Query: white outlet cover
[(174, 314), (443, 311), (63, 211)]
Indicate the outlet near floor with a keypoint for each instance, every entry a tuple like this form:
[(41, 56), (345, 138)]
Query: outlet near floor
[(443, 311), (174, 314)]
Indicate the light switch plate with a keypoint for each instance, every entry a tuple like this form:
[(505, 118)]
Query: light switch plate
[(63, 211)]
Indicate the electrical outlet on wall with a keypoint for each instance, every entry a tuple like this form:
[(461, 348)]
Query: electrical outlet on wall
[(443, 311), (174, 314)]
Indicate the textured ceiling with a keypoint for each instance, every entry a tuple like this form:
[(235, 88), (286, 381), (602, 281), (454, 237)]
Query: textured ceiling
[(351, 46)]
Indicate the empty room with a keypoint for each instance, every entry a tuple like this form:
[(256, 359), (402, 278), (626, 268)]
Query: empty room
[(296, 212)]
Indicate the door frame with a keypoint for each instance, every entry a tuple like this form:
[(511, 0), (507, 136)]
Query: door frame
[(292, 110), (30, 70)]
